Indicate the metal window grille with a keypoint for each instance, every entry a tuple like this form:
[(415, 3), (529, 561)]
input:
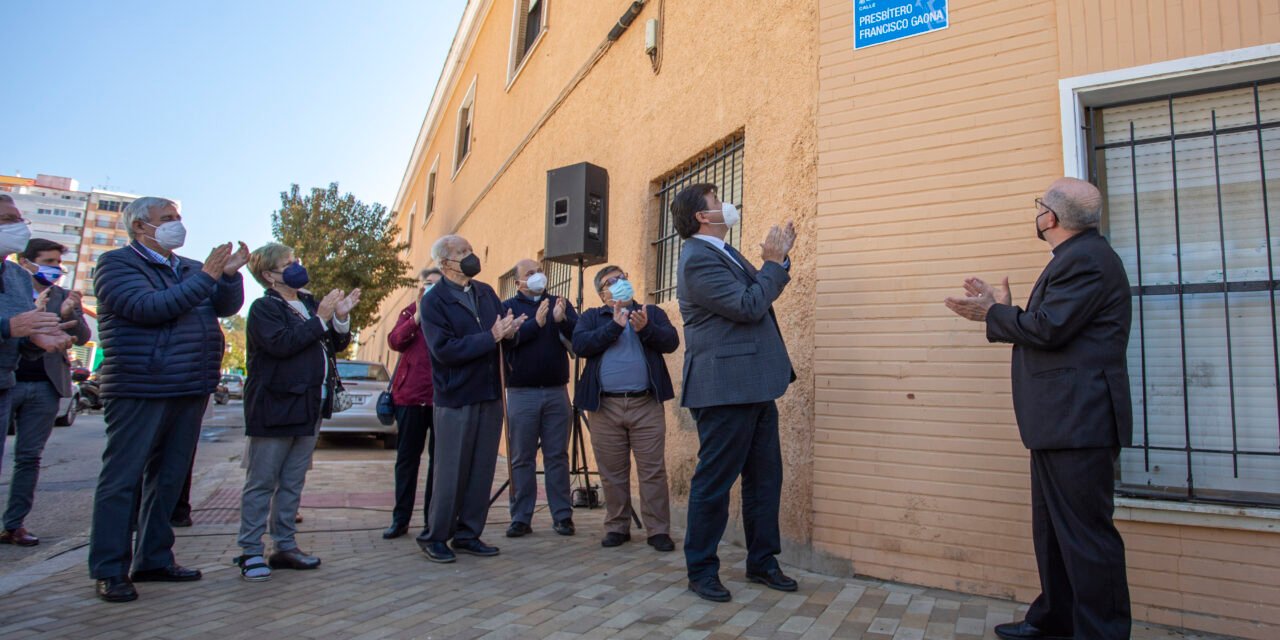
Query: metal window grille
[(721, 166), (1191, 184), (507, 284), (559, 279)]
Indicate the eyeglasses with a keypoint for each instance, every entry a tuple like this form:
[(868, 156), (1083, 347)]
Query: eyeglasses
[(1040, 204), (610, 281)]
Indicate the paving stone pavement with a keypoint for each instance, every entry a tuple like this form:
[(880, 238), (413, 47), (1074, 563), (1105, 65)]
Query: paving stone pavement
[(541, 586)]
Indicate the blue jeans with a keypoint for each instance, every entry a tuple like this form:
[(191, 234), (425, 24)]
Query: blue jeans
[(33, 407)]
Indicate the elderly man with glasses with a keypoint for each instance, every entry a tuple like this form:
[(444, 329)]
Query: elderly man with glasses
[(623, 387)]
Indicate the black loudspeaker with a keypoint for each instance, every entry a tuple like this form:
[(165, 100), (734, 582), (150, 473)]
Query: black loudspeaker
[(577, 214)]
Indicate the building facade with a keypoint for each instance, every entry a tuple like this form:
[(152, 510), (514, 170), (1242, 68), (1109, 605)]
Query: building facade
[(907, 166), (103, 231), (55, 206)]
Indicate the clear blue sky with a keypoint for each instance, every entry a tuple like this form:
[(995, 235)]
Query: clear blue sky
[(221, 104)]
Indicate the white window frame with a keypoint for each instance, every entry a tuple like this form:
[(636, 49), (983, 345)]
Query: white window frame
[(429, 197), (1151, 81), (408, 230), (466, 110), (515, 66)]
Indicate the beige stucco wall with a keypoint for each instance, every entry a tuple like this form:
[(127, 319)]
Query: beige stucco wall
[(728, 65), (931, 150)]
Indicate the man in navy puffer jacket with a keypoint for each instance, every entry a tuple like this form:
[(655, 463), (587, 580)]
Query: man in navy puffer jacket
[(158, 327)]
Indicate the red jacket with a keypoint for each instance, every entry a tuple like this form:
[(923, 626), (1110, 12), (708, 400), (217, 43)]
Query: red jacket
[(412, 383)]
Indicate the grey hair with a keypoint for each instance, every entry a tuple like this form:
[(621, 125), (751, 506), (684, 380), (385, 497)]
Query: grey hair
[(140, 209), (441, 248), (1074, 213)]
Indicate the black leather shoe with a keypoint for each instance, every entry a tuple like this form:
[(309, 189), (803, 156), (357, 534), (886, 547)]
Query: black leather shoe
[(475, 548), (518, 529), (1025, 631), (293, 559), (613, 539), (709, 588), (395, 531), (437, 552), (117, 589), (774, 579), (661, 542), (180, 522), (171, 573), (565, 527)]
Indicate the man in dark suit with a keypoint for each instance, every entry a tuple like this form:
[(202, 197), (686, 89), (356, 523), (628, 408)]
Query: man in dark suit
[(735, 367), (1071, 399), (464, 324)]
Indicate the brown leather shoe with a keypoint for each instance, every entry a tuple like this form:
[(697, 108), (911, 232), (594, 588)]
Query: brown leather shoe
[(19, 536)]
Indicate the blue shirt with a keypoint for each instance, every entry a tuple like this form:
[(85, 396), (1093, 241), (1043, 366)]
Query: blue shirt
[(172, 260), (623, 367)]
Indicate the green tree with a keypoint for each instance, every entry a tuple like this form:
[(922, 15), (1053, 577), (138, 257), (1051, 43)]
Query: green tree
[(345, 244), (235, 355)]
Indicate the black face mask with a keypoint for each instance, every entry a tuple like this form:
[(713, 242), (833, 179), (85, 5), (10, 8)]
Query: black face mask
[(470, 266), (1039, 231)]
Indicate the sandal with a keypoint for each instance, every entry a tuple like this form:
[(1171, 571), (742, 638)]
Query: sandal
[(253, 568)]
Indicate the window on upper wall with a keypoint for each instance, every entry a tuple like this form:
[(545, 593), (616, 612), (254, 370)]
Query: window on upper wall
[(721, 166), (408, 229), (1192, 204), (100, 238), (464, 131), (431, 190), (528, 22)]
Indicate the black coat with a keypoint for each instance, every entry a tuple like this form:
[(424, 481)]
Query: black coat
[(286, 363), (1070, 372)]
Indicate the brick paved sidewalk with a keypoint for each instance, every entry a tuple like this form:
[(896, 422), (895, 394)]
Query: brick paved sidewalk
[(542, 586)]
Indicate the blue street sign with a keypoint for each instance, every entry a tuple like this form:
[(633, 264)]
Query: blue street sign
[(880, 21)]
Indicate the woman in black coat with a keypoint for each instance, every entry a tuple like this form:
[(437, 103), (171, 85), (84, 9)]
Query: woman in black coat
[(292, 340)]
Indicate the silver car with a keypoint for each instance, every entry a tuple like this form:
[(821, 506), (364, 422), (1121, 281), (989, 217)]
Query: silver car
[(363, 382)]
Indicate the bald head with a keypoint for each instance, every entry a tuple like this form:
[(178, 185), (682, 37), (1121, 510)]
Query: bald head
[(526, 269), (1077, 203)]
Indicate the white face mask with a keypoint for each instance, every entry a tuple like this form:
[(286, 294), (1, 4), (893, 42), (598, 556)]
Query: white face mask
[(730, 213), (537, 282), (14, 237), (170, 235)]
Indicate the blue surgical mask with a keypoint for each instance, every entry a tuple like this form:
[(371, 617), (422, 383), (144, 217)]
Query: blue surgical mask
[(47, 275), (295, 276), (621, 291)]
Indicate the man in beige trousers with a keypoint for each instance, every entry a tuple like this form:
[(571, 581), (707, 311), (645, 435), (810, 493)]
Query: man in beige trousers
[(622, 388)]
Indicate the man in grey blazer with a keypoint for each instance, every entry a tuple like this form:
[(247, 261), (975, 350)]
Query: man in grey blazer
[(735, 367), (41, 383)]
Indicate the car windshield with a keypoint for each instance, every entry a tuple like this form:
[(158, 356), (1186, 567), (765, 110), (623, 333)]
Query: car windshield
[(231, 378), (362, 371)]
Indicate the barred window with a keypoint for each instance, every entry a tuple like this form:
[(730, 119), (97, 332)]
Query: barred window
[(560, 279), (721, 166), (1192, 189), (507, 284)]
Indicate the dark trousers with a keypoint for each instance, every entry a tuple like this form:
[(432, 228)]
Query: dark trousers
[(1084, 591), (735, 440), (467, 451), (182, 510), (414, 424), (149, 447)]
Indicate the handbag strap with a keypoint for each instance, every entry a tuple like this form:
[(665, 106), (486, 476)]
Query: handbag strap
[(394, 371)]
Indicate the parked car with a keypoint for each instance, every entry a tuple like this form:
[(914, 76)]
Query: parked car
[(235, 385), (221, 395), (363, 381)]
